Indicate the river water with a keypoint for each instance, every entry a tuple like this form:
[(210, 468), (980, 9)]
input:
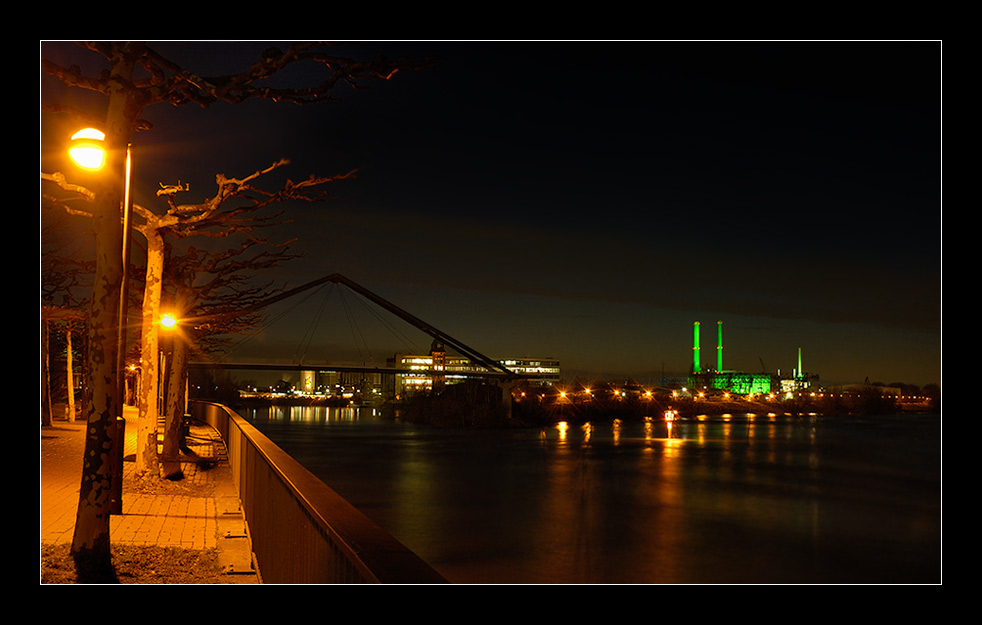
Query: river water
[(725, 499)]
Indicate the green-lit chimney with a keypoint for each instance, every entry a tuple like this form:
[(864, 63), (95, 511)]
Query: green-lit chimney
[(696, 367), (719, 345)]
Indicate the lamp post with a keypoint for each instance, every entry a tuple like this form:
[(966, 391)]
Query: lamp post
[(88, 151)]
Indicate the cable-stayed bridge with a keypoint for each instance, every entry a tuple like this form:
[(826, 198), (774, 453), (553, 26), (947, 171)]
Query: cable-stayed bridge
[(478, 365)]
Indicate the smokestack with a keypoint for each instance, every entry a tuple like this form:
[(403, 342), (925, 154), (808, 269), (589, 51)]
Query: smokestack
[(696, 367), (719, 345)]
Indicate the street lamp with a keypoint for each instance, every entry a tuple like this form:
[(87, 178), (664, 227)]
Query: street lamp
[(168, 321), (88, 151)]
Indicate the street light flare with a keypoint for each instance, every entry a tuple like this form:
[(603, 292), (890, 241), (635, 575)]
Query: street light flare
[(88, 148)]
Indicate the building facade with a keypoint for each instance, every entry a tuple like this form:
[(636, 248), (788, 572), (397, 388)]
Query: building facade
[(427, 372)]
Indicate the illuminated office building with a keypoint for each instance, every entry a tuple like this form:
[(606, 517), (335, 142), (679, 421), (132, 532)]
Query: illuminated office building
[(426, 372)]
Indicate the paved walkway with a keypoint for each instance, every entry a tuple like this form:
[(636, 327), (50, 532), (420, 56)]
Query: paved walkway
[(181, 514)]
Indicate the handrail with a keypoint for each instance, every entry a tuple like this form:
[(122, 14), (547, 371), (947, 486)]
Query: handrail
[(302, 531)]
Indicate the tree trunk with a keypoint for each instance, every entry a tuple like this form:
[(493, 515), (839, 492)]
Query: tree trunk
[(70, 376), (149, 398), (174, 409), (45, 376), (90, 543)]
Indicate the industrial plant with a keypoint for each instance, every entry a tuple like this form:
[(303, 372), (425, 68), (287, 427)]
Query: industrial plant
[(738, 382)]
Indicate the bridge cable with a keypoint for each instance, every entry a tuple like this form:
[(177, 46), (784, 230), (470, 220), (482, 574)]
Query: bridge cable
[(464, 350), (270, 322), (356, 332), (401, 336), (308, 336)]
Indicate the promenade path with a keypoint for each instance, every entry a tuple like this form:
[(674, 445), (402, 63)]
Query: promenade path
[(199, 512)]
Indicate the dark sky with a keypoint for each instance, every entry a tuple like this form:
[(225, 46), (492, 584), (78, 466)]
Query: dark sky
[(588, 201)]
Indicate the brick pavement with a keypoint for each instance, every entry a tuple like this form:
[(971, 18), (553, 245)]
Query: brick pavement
[(201, 518)]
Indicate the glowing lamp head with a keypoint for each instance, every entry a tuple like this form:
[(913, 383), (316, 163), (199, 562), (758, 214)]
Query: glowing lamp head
[(88, 148), (168, 321)]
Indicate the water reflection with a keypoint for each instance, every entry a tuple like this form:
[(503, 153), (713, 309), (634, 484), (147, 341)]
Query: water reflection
[(315, 414), (737, 498)]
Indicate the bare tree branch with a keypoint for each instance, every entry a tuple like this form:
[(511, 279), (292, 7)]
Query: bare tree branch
[(78, 192), (166, 81)]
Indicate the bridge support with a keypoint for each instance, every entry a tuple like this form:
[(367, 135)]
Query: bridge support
[(507, 387)]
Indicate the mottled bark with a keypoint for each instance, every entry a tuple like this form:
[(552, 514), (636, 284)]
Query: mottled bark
[(146, 453), (90, 544), (174, 408)]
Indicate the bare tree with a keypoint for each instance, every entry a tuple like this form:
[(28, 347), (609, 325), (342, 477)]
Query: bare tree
[(64, 285), (134, 78), (206, 286), (211, 294), (225, 293)]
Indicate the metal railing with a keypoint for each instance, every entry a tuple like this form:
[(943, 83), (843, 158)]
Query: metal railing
[(302, 531)]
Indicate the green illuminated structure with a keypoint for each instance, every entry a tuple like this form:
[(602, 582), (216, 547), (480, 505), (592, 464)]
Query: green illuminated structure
[(731, 381), (696, 367), (742, 383), (719, 345)]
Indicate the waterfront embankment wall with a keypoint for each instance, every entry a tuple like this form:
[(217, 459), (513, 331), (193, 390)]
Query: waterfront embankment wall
[(302, 531)]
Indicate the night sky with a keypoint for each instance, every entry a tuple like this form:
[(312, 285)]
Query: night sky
[(588, 201)]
